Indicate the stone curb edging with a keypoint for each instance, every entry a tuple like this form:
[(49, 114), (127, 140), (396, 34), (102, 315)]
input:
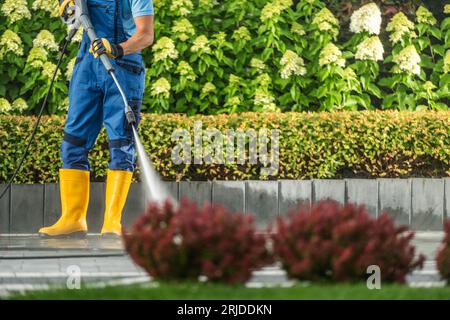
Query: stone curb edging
[(422, 203)]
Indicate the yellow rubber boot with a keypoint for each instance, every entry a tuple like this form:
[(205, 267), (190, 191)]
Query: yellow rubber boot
[(74, 191), (117, 185)]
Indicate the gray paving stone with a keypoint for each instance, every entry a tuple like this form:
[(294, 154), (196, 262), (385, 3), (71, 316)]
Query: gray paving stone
[(230, 194), (294, 193), (96, 207), (363, 192), (134, 206), (95, 269), (262, 200), (197, 191), (4, 210), (27, 207), (395, 199), (329, 189), (427, 204), (33, 268), (52, 203)]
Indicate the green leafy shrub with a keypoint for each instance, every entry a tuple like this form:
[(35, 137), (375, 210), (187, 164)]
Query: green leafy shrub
[(30, 32), (418, 79), (236, 56), (344, 8), (332, 242), (189, 241), (311, 145)]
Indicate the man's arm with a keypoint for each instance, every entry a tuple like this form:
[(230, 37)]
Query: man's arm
[(142, 38)]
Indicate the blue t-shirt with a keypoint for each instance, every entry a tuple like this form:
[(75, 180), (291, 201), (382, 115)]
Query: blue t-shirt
[(132, 9)]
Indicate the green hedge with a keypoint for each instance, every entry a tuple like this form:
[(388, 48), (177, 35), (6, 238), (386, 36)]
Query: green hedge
[(312, 145)]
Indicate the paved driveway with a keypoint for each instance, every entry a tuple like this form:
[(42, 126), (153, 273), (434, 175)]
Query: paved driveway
[(29, 262)]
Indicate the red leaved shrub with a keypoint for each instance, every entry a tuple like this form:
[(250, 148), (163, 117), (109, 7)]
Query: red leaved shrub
[(443, 255), (329, 241), (188, 241)]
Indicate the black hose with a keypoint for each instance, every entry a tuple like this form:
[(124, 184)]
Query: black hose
[(41, 111)]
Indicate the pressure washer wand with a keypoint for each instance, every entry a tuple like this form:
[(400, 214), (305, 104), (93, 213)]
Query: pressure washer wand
[(83, 18)]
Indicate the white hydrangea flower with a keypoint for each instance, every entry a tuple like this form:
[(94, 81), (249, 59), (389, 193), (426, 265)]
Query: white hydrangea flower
[(233, 79), (183, 29), (233, 101), (181, 7), (208, 87), (447, 9), (292, 64), (16, 10), (429, 86), (297, 28), (158, 4), (264, 80), (257, 64), (45, 39), (423, 15), (164, 49), (263, 98), (10, 42), (50, 6), (78, 35), (331, 54), (241, 33), (370, 49), (447, 62), (161, 87), (400, 26), (285, 4), (37, 57), (5, 106), (186, 70), (326, 21), (366, 19), (19, 105), (271, 11), (207, 4), (69, 68), (48, 69), (408, 60), (201, 44), (271, 107), (349, 74)]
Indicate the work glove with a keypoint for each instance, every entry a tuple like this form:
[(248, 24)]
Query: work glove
[(66, 9), (102, 46)]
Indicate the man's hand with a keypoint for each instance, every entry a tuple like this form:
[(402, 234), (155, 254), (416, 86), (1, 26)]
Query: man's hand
[(102, 46)]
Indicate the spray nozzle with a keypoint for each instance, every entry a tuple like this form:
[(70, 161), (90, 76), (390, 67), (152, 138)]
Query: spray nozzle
[(129, 114)]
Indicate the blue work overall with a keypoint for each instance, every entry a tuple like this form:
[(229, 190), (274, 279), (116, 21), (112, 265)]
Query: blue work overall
[(94, 99)]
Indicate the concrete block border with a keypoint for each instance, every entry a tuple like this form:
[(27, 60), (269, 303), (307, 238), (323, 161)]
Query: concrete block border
[(421, 203)]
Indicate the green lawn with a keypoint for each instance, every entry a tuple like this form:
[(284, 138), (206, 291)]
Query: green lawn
[(214, 291)]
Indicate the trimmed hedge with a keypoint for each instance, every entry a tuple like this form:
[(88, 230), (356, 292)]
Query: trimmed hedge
[(312, 145)]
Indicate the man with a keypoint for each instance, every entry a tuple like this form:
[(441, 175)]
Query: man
[(123, 27)]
